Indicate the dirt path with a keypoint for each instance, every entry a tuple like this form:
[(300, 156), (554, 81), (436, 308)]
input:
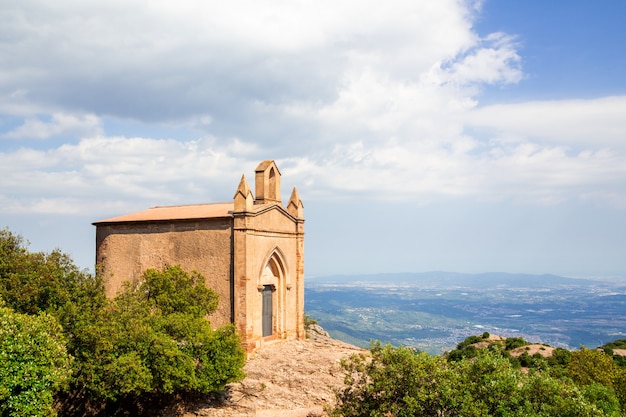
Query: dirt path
[(286, 379)]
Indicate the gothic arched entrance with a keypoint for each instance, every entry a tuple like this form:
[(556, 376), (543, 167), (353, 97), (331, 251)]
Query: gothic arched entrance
[(272, 288)]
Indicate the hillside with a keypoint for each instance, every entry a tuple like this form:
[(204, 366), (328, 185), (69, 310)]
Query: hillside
[(290, 379)]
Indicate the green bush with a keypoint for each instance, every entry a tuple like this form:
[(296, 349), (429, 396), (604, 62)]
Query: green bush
[(588, 366), (514, 342), (32, 282), (33, 363), (309, 321), (616, 344), (151, 341), (402, 382), (394, 381), (154, 338)]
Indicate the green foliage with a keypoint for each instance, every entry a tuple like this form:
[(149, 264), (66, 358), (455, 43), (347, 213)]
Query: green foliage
[(560, 357), (395, 381), (467, 348), (514, 342), (616, 344), (603, 397), (33, 363), (587, 367), (154, 338), (309, 321), (470, 340), (31, 282), (176, 291), (535, 361), (619, 384), (547, 396), (609, 349), (403, 382)]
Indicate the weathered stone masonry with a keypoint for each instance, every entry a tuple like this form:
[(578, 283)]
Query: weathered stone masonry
[(250, 250)]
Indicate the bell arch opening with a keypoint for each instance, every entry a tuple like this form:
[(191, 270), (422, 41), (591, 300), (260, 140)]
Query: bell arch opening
[(272, 184)]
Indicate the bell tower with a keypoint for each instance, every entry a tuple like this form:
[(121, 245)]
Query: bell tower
[(267, 183)]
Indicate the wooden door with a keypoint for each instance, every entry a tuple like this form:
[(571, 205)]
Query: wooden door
[(267, 310)]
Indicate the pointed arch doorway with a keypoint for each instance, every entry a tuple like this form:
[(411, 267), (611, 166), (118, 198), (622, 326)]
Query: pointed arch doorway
[(272, 289)]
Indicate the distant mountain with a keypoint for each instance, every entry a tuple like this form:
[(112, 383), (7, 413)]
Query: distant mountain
[(439, 279)]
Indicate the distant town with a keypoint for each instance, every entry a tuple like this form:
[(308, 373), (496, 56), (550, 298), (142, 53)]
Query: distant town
[(435, 311)]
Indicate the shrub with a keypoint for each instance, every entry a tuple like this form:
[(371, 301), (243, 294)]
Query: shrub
[(32, 282), (402, 382), (588, 366), (150, 341), (309, 321), (515, 342), (154, 339), (33, 363), (394, 381)]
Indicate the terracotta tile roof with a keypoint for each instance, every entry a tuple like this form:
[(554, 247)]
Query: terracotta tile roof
[(187, 212)]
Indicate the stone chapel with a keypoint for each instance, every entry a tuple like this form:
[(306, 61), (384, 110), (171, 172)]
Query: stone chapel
[(250, 250)]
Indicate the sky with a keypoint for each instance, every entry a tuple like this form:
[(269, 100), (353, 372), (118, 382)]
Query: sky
[(450, 135)]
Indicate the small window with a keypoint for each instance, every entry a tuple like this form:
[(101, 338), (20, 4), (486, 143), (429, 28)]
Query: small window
[(272, 185)]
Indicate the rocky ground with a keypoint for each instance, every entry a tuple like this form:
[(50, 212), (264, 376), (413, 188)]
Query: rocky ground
[(545, 351), (294, 378)]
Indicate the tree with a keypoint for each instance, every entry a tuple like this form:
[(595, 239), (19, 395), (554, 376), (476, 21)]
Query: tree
[(588, 366), (620, 387), (154, 339), (404, 382), (33, 363), (32, 282), (514, 342), (394, 381)]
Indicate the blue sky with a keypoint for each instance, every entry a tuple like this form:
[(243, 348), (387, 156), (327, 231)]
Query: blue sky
[(568, 49), (466, 136)]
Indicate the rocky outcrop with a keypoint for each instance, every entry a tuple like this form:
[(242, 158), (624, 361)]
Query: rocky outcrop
[(295, 378)]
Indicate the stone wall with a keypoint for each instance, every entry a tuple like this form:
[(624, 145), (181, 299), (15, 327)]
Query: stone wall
[(125, 250)]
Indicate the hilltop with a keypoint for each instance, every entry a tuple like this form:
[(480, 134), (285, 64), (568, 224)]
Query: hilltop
[(298, 378), (295, 378)]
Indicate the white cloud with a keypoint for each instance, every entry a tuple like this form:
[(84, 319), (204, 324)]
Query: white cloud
[(373, 99), (60, 124), (165, 61), (527, 172), (493, 61), (99, 173), (586, 124)]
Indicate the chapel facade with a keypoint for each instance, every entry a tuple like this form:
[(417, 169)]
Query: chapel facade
[(250, 251)]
